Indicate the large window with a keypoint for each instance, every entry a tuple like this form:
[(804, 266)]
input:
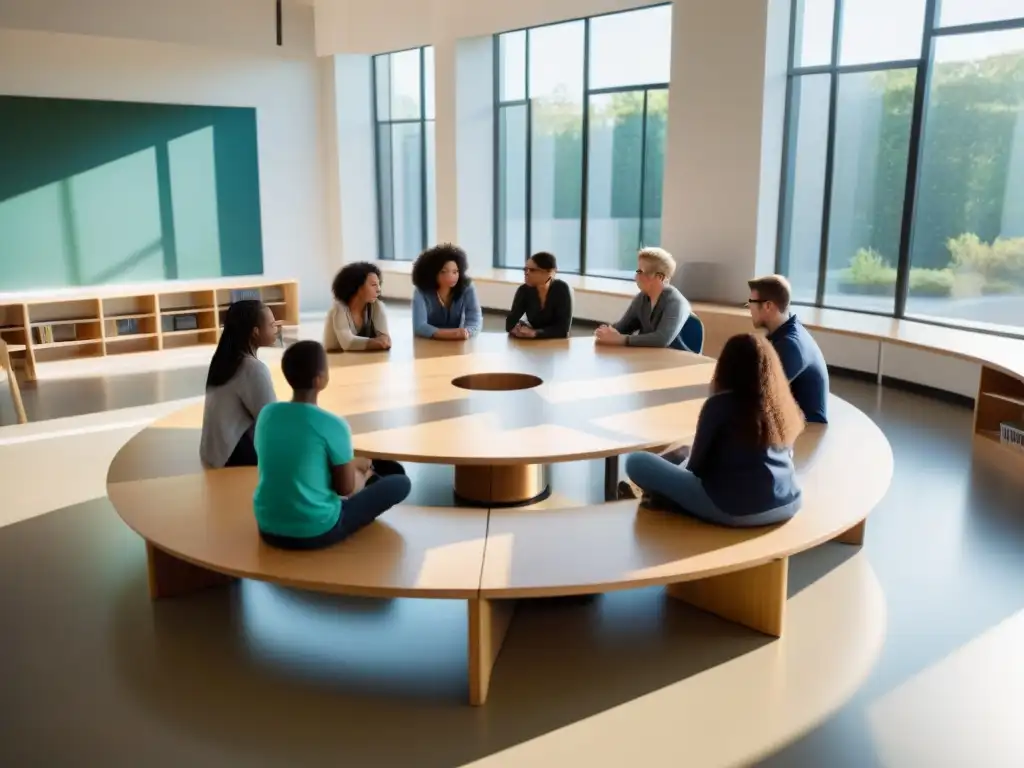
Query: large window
[(403, 84), (580, 118), (903, 186)]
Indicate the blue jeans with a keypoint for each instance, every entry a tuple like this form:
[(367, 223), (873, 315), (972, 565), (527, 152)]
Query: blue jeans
[(685, 493), (357, 511)]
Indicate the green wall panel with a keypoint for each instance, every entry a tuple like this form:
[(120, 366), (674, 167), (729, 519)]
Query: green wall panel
[(106, 192)]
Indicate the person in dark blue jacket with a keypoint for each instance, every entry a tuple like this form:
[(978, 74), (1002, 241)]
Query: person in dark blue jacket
[(801, 357), (740, 471)]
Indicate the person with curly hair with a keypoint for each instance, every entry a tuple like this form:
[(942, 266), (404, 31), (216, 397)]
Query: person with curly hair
[(357, 321), (740, 471), (545, 300), (444, 302)]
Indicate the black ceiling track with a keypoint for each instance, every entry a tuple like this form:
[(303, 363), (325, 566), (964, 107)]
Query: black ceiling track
[(280, 24)]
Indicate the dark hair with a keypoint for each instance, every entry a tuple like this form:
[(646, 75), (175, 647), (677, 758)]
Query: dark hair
[(302, 362), (545, 260), (235, 342), (351, 278), (750, 369), (773, 288), (429, 264)]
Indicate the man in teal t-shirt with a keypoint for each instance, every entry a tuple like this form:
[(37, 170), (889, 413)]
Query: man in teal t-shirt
[(310, 492)]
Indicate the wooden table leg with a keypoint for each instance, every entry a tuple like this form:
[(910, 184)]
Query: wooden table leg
[(171, 577), (489, 621), (505, 485), (611, 478), (754, 597)]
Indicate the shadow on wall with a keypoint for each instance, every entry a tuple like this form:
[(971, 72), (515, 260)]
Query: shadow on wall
[(99, 192)]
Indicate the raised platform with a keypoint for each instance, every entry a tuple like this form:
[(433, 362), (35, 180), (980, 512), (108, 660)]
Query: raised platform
[(200, 532)]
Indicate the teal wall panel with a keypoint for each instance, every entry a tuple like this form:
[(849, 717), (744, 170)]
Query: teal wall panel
[(104, 192)]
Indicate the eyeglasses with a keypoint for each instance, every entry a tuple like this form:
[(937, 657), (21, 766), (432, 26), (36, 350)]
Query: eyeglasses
[(755, 301)]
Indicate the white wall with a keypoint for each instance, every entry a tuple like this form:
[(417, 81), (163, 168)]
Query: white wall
[(284, 89), (357, 26)]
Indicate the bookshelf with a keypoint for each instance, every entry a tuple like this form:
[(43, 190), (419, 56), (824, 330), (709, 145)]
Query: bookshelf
[(1000, 399), (69, 324)]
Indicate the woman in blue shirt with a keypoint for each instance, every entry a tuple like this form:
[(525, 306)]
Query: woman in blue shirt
[(740, 471), (444, 302)]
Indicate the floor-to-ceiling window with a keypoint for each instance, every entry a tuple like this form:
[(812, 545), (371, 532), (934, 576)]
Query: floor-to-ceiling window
[(903, 186), (403, 85), (580, 116)]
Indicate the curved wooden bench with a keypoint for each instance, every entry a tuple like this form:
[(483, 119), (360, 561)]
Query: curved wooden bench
[(200, 531)]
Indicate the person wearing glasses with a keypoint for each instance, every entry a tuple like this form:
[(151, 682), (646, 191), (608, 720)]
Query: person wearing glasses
[(656, 316), (545, 301), (800, 355)]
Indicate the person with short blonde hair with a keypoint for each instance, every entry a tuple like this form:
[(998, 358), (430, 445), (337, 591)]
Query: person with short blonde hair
[(656, 316)]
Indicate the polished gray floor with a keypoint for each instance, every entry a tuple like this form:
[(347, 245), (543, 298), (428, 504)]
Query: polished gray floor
[(92, 673)]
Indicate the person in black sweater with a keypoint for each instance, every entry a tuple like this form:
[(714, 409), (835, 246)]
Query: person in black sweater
[(545, 300), (740, 472)]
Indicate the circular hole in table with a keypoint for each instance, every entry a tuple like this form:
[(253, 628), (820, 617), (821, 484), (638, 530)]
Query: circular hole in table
[(497, 382)]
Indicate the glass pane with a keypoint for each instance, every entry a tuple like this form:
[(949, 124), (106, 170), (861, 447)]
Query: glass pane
[(956, 12), (805, 184), (614, 181), (654, 173), (869, 177), (814, 25), (386, 208), (967, 262), (633, 48), (382, 83), (431, 186), (428, 81), (512, 186), (405, 85), (512, 66), (881, 30), (556, 93), (407, 198)]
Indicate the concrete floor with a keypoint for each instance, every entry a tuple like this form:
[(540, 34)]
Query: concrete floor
[(903, 653)]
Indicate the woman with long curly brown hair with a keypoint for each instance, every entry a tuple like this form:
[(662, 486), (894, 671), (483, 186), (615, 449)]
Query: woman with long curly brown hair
[(740, 471)]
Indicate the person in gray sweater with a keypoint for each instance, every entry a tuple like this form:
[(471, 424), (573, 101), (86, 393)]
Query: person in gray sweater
[(238, 386), (656, 315)]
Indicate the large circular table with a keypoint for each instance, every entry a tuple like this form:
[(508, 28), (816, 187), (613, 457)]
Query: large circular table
[(501, 409)]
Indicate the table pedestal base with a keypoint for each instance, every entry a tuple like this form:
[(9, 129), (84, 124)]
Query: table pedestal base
[(511, 485)]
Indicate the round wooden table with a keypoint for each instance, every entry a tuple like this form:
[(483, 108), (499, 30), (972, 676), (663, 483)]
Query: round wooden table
[(501, 409)]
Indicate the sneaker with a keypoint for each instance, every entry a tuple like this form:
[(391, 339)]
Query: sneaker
[(624, 491)]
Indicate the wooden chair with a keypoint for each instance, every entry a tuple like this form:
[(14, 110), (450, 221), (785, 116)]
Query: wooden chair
[(12, 382)]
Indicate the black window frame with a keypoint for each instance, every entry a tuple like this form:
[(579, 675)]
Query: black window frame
[(924, 65)]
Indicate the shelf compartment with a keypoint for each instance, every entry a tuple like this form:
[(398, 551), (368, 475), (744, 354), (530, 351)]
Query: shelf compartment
[(115, 328), (139, 342), (129, 306), (68, 350), (189, 301), (1018, 401), (72, 311), (178, 339)]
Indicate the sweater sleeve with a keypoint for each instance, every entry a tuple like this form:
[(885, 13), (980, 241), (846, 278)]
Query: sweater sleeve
[(674, 312), (708, 423), (515, 314), (561, 310), (420, 312), (257, 389), (343, 330), (630, 320), (473, 316)]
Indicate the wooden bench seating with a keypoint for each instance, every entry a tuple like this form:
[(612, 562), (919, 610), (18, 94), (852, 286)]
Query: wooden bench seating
[(200, 531)]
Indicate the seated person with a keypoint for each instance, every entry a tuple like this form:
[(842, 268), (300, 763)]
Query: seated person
[(740, 472), (357, 321), (801, 357), (238, 386), (544, 299), (656, 316), (444, 302), (312, 491)]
